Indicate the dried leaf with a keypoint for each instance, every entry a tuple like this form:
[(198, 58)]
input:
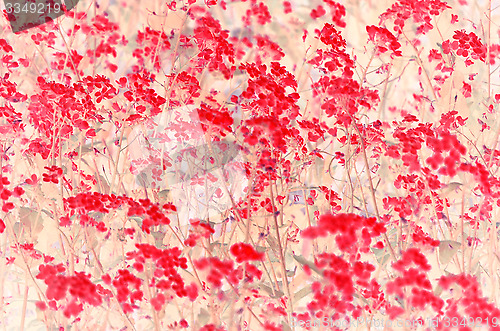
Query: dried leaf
[(301, 293), (448, 248), (310, 264), (268, 290)]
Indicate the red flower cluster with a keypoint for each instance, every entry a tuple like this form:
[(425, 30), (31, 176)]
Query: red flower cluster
[(258, 10), (384, 40), (54, 174), (413, 266), (200, 230), (165, 263), (153, 43), (83, 203), (334, 295), (420, 11), (79, 286), (215, 51), (467, 45), (298, 117), (219, 270), (348, 229), (469, 304), (245, 252)]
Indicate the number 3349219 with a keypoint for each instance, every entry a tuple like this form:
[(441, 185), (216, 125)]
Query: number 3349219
[(33, 8)]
